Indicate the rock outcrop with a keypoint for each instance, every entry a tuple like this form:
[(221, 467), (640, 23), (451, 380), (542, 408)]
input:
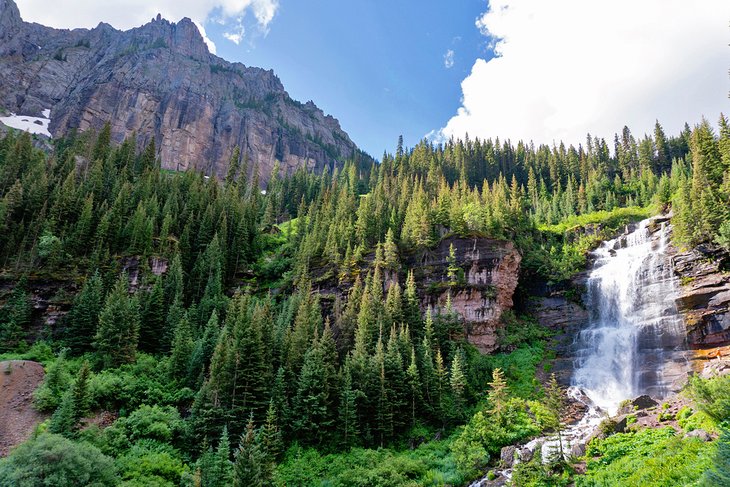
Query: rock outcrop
[(705, 295), (488, 271), (484, 288), (159, 80)]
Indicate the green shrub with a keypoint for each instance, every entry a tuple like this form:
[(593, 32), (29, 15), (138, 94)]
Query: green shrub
[(649, 457), (485, 435), (150, 463), (429, 464), (52, 460)]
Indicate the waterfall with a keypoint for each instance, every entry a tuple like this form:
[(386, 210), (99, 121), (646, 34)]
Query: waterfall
[(634, 342)]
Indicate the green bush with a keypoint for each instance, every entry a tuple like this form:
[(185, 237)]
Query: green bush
[(429, 464), (537, 473), (649, 457), (150, 463), (485, 435), (52, 460), (145, 381)]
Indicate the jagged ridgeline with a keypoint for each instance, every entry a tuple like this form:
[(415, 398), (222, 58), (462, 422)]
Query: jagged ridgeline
[(159, 81), (324, 311)]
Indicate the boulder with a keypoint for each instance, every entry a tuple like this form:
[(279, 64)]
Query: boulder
[(699, 433), (637, 404), (507, 456), (578, 450), (622, 423), (527, 453)]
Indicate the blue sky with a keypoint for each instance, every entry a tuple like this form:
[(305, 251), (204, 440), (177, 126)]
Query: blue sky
[(556, 69), (377, 66)]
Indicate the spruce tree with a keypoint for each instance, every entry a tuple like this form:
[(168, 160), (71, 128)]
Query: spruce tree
[(498, 394), (15, 317), (349, 430), (555, 402), (118, 332), (457, 381), (313, 406), (182, 351), (220, 473), (74, 406), (414, 388), (152, 324), (83, 319), (249, 468), (272, 441)]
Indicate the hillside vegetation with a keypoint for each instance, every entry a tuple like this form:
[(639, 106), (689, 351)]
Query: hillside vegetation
[(222, 363)]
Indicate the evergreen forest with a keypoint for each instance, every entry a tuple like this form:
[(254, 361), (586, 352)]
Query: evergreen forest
[(220, 331)]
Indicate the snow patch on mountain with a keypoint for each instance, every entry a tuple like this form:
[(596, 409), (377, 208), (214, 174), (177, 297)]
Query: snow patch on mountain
[(34, 125)]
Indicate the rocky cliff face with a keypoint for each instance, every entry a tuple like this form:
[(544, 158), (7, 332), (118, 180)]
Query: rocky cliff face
[(705, 295), (484, 289), (159, 80)]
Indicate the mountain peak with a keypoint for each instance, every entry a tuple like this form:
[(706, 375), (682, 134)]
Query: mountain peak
[(10, 19), (182, 37), (160, 80)]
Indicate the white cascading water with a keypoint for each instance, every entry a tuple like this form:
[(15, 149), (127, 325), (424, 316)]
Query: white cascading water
[(635, 340)]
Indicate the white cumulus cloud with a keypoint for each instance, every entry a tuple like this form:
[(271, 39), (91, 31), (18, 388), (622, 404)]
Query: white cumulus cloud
[(449, 59), (208, 42), (125, 14), (565, 68)]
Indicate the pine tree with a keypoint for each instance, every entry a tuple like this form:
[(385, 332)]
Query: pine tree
[(249, 469), (396, 383), (313, 406), (442, 386), (452, 269), (233, 166), (393, 305), (271, 437), (203, 350), (414, 388), (152, 324), (15, 317), (555, 402), (347, 414), (218, 470), (411, 308), (390, 250), (280, 399), (457, 381), (498, 394), (182, 350), (118, 332), (74, 406)]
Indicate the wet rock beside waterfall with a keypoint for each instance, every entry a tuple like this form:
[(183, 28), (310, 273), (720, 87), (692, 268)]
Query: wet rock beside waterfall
[(507, 455), (578, 450), (527, 453), (704, 298), (637, 404)]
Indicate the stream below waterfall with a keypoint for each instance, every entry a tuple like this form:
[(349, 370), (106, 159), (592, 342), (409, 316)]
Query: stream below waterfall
[(634, 342)]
